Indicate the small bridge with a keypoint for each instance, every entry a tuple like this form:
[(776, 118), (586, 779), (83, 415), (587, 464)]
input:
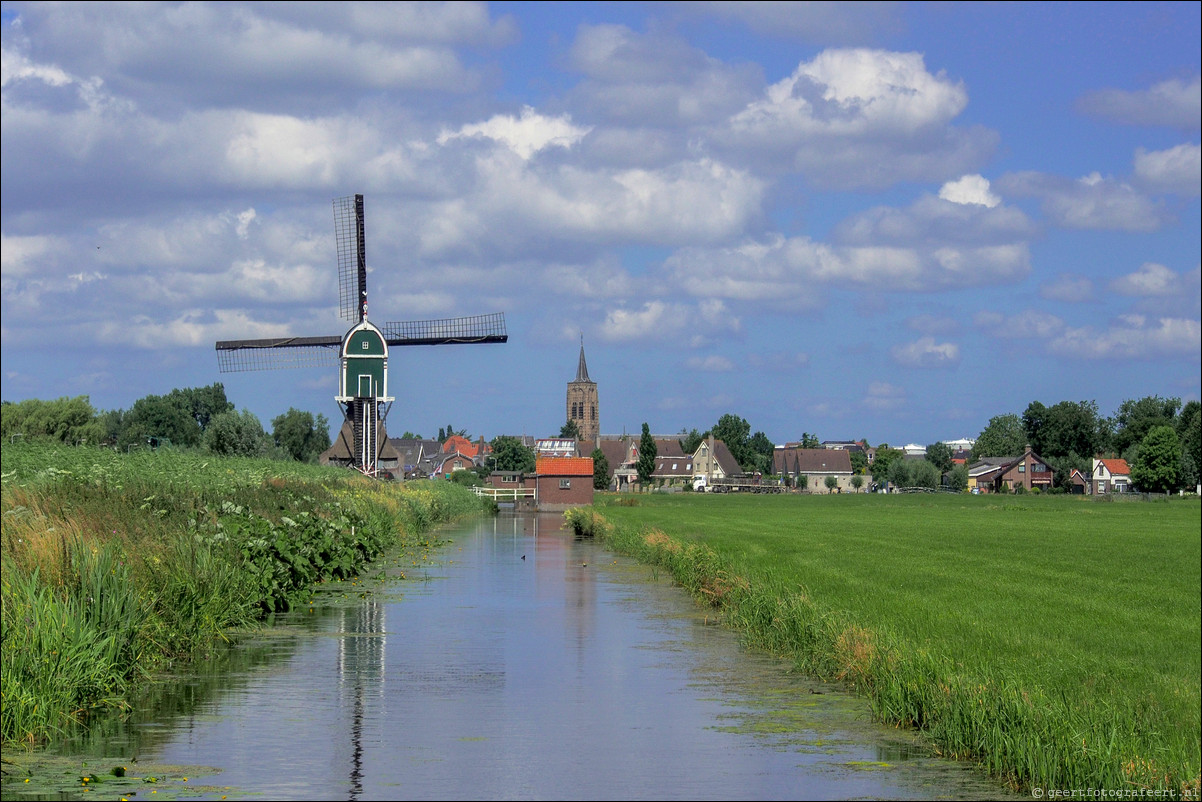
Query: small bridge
[(505, 494)]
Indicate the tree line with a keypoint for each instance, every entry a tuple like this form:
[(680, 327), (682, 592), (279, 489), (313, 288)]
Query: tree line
[(193, 418), (1160, 439)]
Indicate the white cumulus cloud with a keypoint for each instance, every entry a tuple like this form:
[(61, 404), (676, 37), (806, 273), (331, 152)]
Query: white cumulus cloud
[(861, 117), (525, 135), (926, 353), (970, 189), (1174, 102), (1177, 169)]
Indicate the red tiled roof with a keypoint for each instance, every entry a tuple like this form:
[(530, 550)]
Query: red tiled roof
[(564, 466), (1116, 466), (462, 445)]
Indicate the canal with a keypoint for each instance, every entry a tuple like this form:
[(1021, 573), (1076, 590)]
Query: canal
[(519, 662)]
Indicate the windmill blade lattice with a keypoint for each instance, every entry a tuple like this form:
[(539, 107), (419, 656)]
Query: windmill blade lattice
[(449, 331), (352, 256), (241, 356)]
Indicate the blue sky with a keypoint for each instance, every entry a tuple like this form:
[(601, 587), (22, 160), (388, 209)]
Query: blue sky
[(881, 220)]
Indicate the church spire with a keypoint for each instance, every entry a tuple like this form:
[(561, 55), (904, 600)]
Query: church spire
[(582, 368), (581, 406)]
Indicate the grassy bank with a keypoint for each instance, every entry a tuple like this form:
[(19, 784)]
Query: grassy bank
[(116, 565), (1055, 640)]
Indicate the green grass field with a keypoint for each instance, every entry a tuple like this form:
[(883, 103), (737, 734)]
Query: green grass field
[(1068, 625)]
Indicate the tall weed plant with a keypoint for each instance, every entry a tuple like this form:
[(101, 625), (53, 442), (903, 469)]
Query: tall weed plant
[(116, 565)]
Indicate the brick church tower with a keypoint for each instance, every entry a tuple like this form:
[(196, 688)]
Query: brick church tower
[(582, 403)]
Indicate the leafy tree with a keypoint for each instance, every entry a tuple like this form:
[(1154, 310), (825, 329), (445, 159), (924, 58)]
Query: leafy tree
[(1134, 419), (112, 423), (1157, 466), (234, 434), (600, 470), (467, 478), (761, 452), (924, 473), (803, 482), (859, 462), (408, 435), (300, 434), (1069, 427), (570, 429), (940, 455), (161, 417), (1004, 436), (736, 433), (692, 441), (65, 420), (1187, 415), (830, 482), (203, 403), (647, 453), (181, 416), (958, 479), (857, 481), (510, 454), (1191, 446), (885, 457), (898, 472)]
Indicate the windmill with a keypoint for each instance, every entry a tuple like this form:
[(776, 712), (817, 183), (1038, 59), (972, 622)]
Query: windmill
[(361, 354)]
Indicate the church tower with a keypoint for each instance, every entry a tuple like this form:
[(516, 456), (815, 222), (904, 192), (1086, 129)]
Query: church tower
[(582, 403)]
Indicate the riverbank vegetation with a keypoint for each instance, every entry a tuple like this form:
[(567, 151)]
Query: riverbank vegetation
[(115, 565), (1054, 640)]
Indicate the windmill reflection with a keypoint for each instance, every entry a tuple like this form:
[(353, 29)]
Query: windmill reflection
[(360, 672)]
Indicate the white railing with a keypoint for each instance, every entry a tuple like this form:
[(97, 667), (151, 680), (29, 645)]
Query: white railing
[(504, 493)]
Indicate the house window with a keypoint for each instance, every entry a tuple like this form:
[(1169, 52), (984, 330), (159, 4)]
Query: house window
[(565, 484), (509, 478), (366, 345), (1022, 468), (1037, 468)]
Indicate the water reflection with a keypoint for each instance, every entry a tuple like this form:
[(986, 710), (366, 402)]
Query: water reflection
[(531, 664)]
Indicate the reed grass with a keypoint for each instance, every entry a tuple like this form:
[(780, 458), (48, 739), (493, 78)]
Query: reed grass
[(1054, 641), (117, 565)]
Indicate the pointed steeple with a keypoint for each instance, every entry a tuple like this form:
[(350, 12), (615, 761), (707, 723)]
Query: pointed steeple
[(582, 368)]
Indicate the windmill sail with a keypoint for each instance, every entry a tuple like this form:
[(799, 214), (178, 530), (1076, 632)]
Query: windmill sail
[(450, 331), (240, 356), (352, 257)]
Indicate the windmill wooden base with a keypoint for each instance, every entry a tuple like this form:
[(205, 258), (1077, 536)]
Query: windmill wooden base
[(346, 452)]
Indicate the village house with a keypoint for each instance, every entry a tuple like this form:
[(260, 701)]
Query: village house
[(713, 460), (816, 464), (1110, 476), (563, 482), (1006, 474), (673, 467)]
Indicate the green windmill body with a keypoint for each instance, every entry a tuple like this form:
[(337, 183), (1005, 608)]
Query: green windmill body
[(363, 391)]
